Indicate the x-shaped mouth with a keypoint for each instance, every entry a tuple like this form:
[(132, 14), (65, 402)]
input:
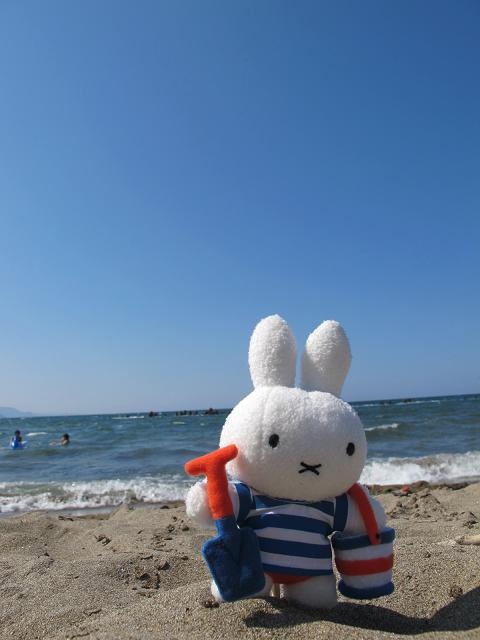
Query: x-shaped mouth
[(309, 467)]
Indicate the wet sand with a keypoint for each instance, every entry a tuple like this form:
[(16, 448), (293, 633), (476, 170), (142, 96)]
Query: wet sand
[(137, 573)]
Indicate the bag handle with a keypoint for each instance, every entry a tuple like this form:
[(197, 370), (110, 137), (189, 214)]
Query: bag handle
[(360, 498)]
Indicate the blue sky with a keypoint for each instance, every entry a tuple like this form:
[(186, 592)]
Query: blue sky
[(172, 172)]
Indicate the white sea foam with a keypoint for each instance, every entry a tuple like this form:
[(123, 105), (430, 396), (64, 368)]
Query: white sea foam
[(32, 434), (373, 404), (382, 427), (439, 468), (417, 402), (128, 418), (23, 496), (29, 496), (384, 403)]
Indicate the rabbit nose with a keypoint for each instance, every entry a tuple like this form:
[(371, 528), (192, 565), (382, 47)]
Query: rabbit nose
[(310, 467)]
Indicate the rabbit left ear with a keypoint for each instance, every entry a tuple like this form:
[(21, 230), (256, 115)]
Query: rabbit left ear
[(326, 359), (272, 354)]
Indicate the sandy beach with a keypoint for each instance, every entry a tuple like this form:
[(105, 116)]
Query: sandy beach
[(137, 573)]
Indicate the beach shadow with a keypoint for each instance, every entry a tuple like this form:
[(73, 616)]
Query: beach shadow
[(461, 614)]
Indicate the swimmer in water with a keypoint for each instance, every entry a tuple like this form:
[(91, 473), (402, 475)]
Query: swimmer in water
[(64, 440), (17, 439)]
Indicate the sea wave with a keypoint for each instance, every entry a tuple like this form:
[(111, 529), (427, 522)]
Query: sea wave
[(417, 402), (437, 468), (16, 497), (32, 434), (23, 496), (371, 404), (392, 403), (382, 427)]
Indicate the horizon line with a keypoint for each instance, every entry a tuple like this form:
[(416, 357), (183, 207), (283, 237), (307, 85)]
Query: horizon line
[(161, 411)]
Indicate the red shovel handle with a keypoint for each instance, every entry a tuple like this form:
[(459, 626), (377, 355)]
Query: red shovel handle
[(212, 465)]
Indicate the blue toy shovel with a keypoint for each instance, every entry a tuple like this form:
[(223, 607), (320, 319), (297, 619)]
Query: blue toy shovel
[(233, 557)]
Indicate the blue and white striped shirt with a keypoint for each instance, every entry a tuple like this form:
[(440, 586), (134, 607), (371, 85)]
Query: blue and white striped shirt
[(292, 534)]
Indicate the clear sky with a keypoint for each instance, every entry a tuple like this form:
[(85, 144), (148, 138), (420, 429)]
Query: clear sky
[(171, 172)]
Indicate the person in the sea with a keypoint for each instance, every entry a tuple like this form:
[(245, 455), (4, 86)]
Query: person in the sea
[(17, 438), (64, 440)]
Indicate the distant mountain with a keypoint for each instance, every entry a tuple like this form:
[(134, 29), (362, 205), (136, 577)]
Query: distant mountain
[(10, 412)]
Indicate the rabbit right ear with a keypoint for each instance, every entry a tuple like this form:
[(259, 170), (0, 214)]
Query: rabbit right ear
[(326, 359), (272, 354)]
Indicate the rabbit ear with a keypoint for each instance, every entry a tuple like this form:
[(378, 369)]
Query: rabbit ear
[(326, 359), (272, 354)]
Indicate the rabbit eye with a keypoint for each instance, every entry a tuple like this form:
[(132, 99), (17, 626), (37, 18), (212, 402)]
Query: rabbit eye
[(274, 440), (350, 449)]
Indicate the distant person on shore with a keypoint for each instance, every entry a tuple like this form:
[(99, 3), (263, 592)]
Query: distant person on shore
[(64, 440)]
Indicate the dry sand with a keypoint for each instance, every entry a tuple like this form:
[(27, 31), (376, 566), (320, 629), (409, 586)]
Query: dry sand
[(137, 573)]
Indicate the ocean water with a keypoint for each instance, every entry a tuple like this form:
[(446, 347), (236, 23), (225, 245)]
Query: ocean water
[(113, 458)]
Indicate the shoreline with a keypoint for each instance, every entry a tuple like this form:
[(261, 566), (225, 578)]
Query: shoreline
[(95, 511), (374, 489)]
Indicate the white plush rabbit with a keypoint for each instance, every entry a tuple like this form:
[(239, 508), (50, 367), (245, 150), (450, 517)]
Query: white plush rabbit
[(299, 451)]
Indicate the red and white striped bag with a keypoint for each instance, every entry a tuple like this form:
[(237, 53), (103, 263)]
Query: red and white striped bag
[(364, 561)]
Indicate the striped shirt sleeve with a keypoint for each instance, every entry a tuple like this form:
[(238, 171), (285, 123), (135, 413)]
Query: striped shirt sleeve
[(242, 500)]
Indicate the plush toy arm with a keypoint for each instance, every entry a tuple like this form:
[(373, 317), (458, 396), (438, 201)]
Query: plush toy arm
[(196, 504), (197, 508)]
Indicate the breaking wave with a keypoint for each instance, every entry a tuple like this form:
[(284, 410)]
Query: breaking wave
[(382, 427), (444, 467), (23, 496), (20, 497)]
